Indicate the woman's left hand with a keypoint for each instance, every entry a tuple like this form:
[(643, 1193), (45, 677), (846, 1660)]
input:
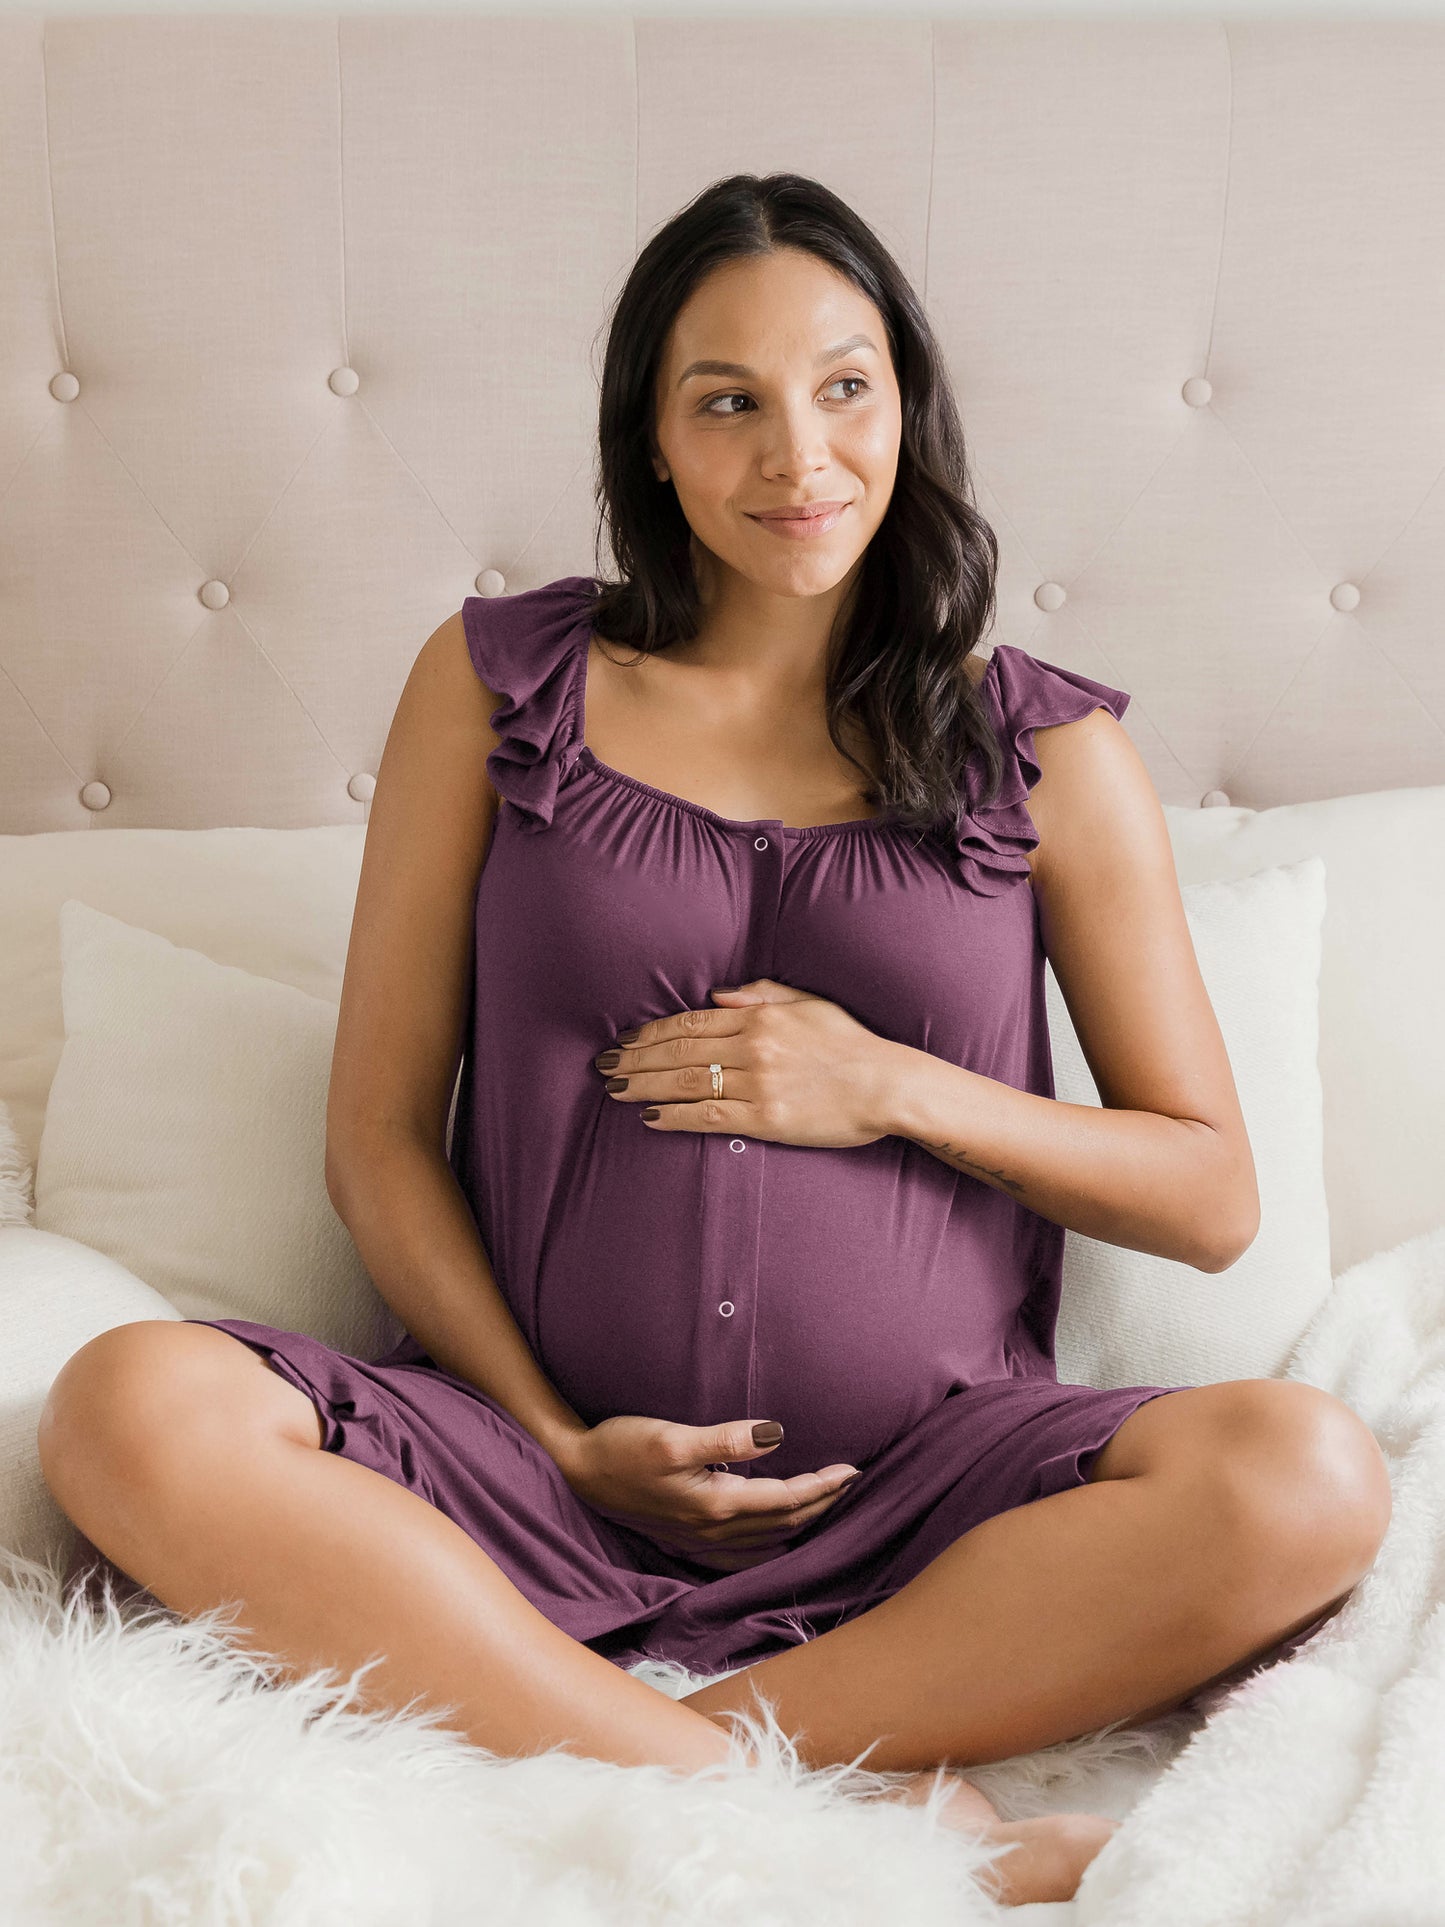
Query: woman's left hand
[(797, 1069)]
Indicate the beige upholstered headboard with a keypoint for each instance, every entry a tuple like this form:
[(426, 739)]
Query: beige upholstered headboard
[(300, 319)]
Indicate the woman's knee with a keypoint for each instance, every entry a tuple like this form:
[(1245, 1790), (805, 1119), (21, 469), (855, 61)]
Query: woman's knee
[(139, 1402), (1304, 1480)]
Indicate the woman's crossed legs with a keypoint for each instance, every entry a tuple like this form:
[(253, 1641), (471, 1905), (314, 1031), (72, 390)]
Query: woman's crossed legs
[(1215, 1522)]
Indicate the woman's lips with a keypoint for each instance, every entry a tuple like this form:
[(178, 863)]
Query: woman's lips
[(797, 528)]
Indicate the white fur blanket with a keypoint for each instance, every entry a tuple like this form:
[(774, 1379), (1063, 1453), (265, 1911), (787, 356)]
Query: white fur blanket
[(1314, 1793), (153, 1772)]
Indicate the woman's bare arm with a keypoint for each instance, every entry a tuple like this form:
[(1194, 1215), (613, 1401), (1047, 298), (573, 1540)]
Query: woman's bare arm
[(400, 1037), (1165, 1166)]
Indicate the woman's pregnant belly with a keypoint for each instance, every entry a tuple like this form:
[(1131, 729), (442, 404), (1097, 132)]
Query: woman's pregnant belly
[(848, 1314)]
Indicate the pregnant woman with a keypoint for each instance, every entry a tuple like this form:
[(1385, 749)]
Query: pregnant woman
[(728, 882)]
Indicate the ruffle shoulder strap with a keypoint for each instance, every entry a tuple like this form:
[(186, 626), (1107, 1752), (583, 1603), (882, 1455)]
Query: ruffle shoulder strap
[(528, 650), (1022, 693)]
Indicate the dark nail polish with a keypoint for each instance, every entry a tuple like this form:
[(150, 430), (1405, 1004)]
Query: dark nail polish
[(652, 1113), (607, 1059), (616, 1084), (767, 1432), (627, 1036)]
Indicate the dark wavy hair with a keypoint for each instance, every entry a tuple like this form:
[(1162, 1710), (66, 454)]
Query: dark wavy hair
[(925, 593)]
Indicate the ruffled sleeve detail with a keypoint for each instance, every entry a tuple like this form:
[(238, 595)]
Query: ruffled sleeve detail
[(1022, 693), (529, 650)]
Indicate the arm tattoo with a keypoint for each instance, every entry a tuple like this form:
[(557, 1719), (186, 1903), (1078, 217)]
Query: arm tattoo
[(955, 1155)]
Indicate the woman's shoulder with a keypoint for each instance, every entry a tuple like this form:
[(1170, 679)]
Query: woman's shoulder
[(1023, 693), (1031, 693), (524, 634), (526, 650)]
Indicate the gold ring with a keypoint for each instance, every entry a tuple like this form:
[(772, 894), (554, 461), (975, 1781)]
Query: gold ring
[(717, 1081)]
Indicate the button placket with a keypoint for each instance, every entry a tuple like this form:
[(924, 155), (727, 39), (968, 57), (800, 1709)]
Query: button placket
[(732, 1204)]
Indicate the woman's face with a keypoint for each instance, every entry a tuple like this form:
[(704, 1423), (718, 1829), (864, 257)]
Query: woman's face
[(796, 403)]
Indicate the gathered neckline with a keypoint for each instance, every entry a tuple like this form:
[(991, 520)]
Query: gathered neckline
[(880, 820), (587, 755)]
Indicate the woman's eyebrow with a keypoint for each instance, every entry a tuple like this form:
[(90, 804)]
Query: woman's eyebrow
[(748, 374)]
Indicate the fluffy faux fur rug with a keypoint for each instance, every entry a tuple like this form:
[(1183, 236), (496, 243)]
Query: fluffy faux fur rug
[(151, 1771), (1314, 1793)]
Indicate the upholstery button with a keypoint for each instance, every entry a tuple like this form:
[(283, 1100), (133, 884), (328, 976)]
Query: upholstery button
[(64, 386), (1214, 800), (96, 795), (1050, 596), (737, 1145), (343, 381), (215, 595), (491, 582), (362, 786), (760, 843), (726, 1308), (1198, 391), (1345, 596)]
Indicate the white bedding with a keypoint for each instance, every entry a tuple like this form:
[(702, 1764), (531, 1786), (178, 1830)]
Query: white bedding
[(1314, 1794), (143, 1776)]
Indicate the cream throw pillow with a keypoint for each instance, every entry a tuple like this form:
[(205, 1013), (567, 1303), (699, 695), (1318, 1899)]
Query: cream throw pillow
[(1129, 1318), (185, 1136)]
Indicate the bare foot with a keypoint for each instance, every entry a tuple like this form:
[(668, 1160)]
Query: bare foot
[(965, 1805), (1047, 1856)]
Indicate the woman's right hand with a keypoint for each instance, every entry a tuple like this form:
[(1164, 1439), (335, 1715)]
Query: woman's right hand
[(658, 1478)]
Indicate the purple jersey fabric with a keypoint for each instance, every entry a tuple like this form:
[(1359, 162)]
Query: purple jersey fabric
[(890, 1311)]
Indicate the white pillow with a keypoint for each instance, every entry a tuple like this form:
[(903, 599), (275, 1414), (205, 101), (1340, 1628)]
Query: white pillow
[(1382, 1018), (55, 1296), (275, 902), (1130, 1318), (185, 1136)]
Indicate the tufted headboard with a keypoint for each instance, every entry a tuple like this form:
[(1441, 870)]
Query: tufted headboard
[(301, 319)]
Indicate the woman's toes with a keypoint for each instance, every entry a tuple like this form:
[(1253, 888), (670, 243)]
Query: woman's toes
[(963, 1805), (1048, 1857)]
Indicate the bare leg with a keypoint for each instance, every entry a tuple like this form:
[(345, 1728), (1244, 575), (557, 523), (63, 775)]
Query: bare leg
[(197, 1469), (1214, 1523)]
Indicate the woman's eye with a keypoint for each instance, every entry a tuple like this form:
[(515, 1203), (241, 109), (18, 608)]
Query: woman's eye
[(710, 407)]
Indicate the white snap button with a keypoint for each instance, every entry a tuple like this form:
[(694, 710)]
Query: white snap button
[(726, 1307), (737, 1145), (760, 843)]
